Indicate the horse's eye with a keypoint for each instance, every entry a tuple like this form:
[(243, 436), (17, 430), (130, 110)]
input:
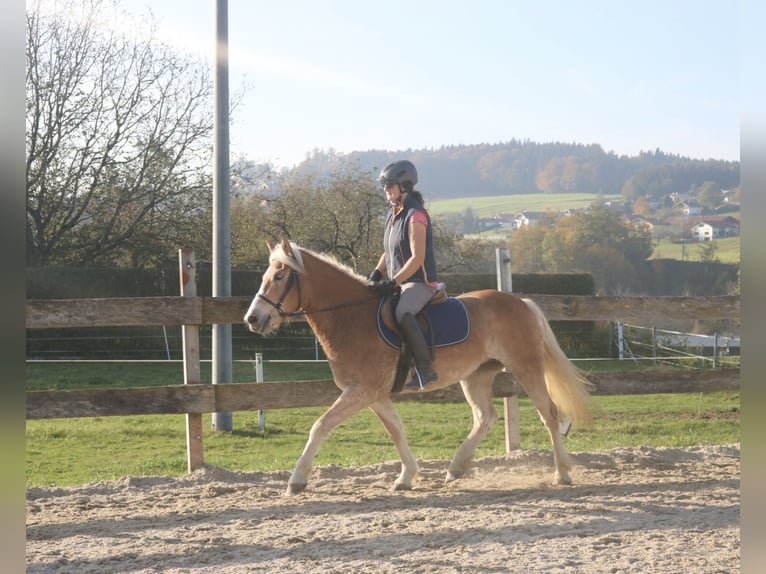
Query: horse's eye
[(279, 275)]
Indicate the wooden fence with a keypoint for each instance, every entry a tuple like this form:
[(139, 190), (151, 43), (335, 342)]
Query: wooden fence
[(194, 398)]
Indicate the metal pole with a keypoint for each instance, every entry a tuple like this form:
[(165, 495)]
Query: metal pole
[(620, 340), (715, 350), (259, 379), (222, 356), (167, 346)]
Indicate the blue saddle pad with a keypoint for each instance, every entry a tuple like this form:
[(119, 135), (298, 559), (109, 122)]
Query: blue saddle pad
[(449, 324)]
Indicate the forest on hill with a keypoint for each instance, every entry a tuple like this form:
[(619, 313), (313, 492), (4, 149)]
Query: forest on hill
[(517, 167)]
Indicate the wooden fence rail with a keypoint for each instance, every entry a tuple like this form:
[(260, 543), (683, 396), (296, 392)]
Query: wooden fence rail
[(194, 399), (180, 399), (155, 311)]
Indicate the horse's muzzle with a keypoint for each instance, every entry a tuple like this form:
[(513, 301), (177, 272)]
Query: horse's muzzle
[(259, 326)]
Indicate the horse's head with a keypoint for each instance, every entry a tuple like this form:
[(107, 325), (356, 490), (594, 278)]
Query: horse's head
[(279, 296)]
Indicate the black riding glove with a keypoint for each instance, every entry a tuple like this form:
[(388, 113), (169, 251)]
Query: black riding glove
[(376, 275), (384, 288)]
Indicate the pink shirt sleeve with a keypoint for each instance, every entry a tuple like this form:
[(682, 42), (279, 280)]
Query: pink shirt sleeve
[(420, 217)]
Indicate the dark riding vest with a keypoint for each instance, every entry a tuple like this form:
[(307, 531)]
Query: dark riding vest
[(396, 243)]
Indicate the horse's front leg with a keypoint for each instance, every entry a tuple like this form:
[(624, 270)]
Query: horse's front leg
[(478, 392), (388, 415), (351, 401)]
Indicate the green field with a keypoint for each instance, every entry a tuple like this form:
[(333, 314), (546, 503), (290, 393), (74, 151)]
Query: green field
[(489, 206), (727, 250), (74, 451)]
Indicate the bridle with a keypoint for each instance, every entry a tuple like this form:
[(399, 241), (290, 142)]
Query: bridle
[(293, 278)]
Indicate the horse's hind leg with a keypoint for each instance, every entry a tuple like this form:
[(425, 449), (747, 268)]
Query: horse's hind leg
[(478, 392), (348, 403), (537, 392), (387, 414)]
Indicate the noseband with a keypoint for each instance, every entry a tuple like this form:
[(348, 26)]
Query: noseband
[(293, 278)]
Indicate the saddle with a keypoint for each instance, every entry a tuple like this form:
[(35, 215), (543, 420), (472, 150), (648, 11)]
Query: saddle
[(443, 320)]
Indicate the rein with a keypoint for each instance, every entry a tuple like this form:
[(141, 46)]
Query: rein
[(341, 305), (293, 279)]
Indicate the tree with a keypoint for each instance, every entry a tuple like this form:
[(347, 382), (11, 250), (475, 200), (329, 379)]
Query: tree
[(117, 141), (470, 224), (599, 241), (526, 246), (248, 241), (707, 251), (457, 253), (341, 215), (642, 206), (710, 195), (350, 212)]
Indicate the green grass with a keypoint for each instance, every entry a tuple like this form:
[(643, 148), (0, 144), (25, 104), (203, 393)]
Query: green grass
[(489, 206), (75, 451), (61, 452), (53, 375), (728, 250)]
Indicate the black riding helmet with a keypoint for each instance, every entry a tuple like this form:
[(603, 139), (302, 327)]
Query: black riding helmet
[(399, 172)]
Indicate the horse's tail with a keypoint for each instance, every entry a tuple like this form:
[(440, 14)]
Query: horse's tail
[(567, 385)]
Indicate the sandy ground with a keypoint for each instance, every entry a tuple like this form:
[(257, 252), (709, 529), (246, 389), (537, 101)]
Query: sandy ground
[(629, 510)]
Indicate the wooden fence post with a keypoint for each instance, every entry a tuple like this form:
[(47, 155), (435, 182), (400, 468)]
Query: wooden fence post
[(187, 270), (510, 403)]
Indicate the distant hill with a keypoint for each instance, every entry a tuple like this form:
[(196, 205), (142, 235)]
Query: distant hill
[(522, 167)]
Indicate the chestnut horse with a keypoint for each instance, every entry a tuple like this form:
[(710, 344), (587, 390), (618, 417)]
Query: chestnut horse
[(507, 332)]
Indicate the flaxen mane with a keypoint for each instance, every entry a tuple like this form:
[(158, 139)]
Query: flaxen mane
[(278, 254)]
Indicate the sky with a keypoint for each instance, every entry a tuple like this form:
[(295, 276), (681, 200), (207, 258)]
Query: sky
[(353, 75)]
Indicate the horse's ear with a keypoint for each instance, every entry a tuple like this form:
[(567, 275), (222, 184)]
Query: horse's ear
[(269, 246), (287, 248)]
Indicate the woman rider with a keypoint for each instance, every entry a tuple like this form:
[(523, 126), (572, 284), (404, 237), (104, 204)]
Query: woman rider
[(407, 262)]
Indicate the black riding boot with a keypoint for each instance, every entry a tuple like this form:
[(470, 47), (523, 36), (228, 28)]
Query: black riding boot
[(413, 335)]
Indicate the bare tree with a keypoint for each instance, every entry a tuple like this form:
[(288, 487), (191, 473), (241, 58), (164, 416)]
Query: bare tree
[(342, 214), (118, 140), (350, 210)]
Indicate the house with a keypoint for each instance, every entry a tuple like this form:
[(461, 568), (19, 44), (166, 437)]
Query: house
[(526, 218), (682, 197), (688, 207), (505, 220), (712, 227), (486, 223)]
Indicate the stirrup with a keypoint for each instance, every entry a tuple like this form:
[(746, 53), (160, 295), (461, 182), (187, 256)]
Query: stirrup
[(419, 382)]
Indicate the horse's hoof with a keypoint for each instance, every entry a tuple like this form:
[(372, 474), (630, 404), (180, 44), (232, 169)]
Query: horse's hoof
[(400, 486), (454, 475), (295, 488), (562, 480)]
